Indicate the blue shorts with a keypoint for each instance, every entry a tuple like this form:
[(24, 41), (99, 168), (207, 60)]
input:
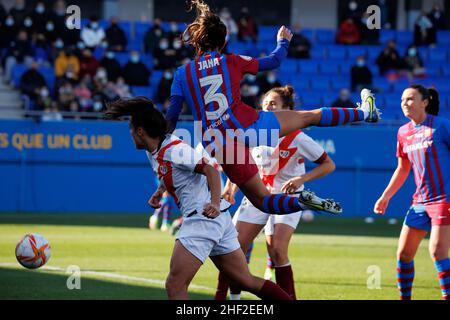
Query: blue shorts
[(418, 218), (266, 129)]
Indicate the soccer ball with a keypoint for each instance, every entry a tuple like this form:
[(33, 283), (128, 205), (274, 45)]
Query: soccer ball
[(33, 251), (307, 216)]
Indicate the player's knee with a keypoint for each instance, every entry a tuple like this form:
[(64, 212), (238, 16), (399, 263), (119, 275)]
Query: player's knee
[(174, 286), (279, 256), (438, 252), (405, 255)]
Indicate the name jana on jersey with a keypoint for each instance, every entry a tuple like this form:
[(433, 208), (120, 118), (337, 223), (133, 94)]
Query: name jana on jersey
[(209, 63)]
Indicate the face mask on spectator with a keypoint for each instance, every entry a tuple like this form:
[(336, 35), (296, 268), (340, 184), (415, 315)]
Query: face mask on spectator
[(254, 90), (164, 45), (9, 22), (28, 22), (101, 74), (44, 93), (50, 27), (94, 25), (251, 78), (98, 106), (360, 63), (40, 9), (158, 32), (59, 44), (81, 45), (412, 51), (168, 75), (176, 45), (69, 74), (135, 58), (271, 78), (110, 55), (174, 27)]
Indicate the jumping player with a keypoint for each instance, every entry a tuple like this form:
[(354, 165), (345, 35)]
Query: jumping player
[(423, 145), (207, 229), (210, 85), (282, 169)]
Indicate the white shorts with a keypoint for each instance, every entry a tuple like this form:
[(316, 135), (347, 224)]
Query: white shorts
[(247, 212), (205, 237)]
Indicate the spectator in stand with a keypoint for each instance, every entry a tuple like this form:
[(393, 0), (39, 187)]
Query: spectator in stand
[(389, 59), (40, 16), (44, 99), (299, 46), (361, 76), (348, 33), (122, 89), (67, 65), (153, 36), (164, 86), (250, 90), (267, 81), (19, 11), (247, 28), (88, 64), (437, 17), (116, 37), (182, 52), (344, 100), (93, 35), (174, 33), (414, 63), (28, 26), (66, 95), (368, 36), (424, 31), (135, 72), (32, 81), (8, 31), (112, 66), (50, 32), (58, 18), (42, 51), (164, 56), (84, 94), (19, 51), (52, 113), (228, 21)]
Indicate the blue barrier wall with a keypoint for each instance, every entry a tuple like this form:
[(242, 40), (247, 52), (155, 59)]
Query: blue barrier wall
[(92, 166)]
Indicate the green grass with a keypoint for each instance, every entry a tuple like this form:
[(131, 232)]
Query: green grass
[(330, 257)]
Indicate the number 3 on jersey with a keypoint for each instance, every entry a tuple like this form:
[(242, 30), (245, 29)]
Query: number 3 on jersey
[(211, 95)]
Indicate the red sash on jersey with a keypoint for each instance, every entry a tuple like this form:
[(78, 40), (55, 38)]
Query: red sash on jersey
[(282, 161), (165, 170)]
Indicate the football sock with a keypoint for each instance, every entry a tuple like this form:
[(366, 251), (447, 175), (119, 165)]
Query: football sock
[(281, 204), (271, 291), (332, 117), (405, 278), (443, 269), (285, 279), (222, 287)]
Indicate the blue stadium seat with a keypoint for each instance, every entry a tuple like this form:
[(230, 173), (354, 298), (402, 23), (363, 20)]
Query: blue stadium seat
[(328, 99), (310, 34), (155, 77), (289, 66), (311, 100), (317, 53), (443, 37), (337, 52), (325, 36), (400, 85), (142, 91), (446, 70), (327, 68), (320, 83), (140, 28), (49, 75), (300, 84), (386, 35), (373, 52), (355, 51), (309, 66), (339, 82), (392, 100), (346, 66), (437, 55), (136, 44), (122, 58), (404, 37), (17, 72), (267, 33), (382, 84)]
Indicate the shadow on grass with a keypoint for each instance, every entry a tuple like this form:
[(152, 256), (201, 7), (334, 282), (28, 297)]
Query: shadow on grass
[(24, 284), (321, 224)]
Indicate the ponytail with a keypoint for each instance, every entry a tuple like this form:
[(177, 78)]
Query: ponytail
[(431, 95)]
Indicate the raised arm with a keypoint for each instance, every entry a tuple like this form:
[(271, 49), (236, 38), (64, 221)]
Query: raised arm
[(274, 60), (175, 102)]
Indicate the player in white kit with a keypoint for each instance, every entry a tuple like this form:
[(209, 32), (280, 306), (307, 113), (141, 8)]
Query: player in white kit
[(207, 229), (282, 169)]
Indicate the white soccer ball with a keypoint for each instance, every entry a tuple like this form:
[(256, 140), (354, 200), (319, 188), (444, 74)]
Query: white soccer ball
[(33, 251), (307, 216)]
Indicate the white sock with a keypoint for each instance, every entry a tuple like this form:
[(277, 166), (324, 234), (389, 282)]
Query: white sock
[(235, 296), (366, 114)]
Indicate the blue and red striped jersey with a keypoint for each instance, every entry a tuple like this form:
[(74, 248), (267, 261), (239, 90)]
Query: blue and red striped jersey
[(426, 146), (210, 84)]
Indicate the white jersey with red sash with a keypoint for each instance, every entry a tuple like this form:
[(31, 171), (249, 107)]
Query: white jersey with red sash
[(287, 160), (175, 163)]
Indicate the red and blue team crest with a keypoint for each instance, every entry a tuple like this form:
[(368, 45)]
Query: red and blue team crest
[(284, 154), (163, 169)]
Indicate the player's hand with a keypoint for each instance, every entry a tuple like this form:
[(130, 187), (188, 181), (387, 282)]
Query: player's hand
[(284, 33), (211, 210), (228, 194), (381, 205), (155, 200), (292, 185)]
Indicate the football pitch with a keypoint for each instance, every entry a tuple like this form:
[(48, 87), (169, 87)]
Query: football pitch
[(120, 258)]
